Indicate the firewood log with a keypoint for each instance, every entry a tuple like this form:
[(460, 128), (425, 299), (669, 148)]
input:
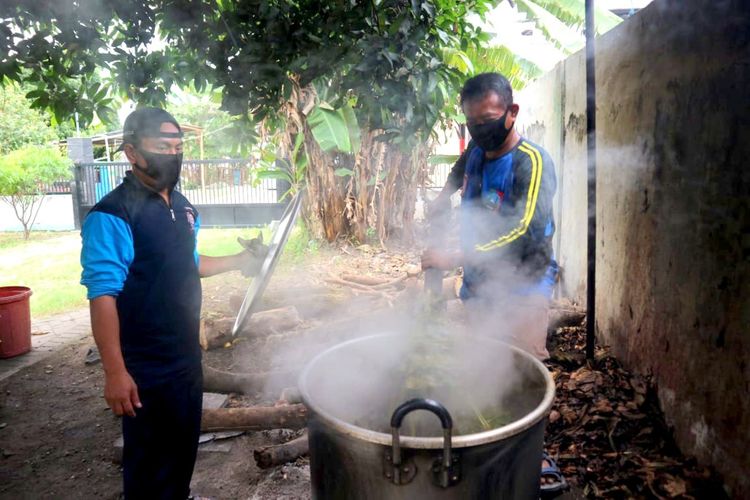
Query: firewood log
[(254, 419), (235, 302), (271, 456), (246, 383), (217, 332), (290, 395)]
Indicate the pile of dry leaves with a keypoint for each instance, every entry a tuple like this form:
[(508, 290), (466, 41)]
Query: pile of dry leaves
[(608, 434)]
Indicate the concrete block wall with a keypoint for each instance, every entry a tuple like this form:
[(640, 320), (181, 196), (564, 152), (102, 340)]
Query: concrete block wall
[(673, 249)]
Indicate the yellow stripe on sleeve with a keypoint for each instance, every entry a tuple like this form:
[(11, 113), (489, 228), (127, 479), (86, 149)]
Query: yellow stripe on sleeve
[(531, 199)]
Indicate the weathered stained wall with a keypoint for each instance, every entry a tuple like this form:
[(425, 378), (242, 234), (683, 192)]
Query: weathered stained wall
[(673, 249)]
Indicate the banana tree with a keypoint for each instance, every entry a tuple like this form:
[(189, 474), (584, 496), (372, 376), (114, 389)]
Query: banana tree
[(360, 182), (291, 170), (561, 21), (517, 70)]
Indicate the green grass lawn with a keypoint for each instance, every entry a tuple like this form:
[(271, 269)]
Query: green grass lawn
[(48, 262), (15, 239)]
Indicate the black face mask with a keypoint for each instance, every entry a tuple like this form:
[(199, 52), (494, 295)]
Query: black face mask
[(491, 135), (164, 170)]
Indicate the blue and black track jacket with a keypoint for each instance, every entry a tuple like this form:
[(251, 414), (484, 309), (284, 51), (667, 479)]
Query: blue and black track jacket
[(506, 219), (142, 251)]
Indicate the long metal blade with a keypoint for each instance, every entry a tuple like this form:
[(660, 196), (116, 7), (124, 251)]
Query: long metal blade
[(259, 283)]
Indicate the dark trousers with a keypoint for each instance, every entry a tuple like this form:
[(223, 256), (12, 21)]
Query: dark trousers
[(161, 441)]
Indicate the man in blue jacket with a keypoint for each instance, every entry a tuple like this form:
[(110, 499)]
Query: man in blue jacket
[(142, 273), (506, 228), (506, 219)]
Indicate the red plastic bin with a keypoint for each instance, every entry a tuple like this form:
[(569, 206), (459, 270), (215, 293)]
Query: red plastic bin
[(15, 321)]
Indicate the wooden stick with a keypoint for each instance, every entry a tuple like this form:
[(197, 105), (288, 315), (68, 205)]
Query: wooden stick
[(338, 281), (360, 289), (246, 383), (363, 280), (391, 283), (254, 419), (366, 282), (271, 456)]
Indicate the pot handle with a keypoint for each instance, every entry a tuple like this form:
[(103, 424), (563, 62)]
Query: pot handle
[(421, 404), (445, 473)]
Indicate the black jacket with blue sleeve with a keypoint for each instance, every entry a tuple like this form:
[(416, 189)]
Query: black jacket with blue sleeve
[(142, 251)]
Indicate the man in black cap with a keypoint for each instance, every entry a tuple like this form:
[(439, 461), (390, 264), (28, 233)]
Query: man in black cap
[(142, 273)]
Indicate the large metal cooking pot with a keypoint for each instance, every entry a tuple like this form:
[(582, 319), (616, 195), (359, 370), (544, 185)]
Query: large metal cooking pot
[(355, 452)]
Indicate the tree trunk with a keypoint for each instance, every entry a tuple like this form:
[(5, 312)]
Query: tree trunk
[(254, 419), (377, 199)]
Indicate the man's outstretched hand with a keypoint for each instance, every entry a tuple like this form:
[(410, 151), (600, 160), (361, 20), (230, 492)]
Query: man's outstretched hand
[(252, 258), (121, 393)]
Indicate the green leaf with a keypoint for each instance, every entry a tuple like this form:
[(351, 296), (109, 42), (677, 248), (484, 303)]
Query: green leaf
[(562, 21), (268, 156), (107, 115), (286, 90), (343, 172), (500, 59), (297, 144), (302, 165), (274, 174), (355, 138), (456, 58), (442, 159), (35, 94), (573, 13), (329, 130)]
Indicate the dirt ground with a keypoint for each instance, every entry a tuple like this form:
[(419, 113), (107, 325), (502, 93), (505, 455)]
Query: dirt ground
[(57, 434)]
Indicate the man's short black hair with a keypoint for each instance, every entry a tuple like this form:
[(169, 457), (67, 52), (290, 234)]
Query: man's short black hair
[(479, 86)]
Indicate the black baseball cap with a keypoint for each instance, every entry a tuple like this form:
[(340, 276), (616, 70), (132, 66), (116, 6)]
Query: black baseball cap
[(146, 122)]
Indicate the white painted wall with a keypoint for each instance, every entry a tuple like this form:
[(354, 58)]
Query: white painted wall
[(56, 214)]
